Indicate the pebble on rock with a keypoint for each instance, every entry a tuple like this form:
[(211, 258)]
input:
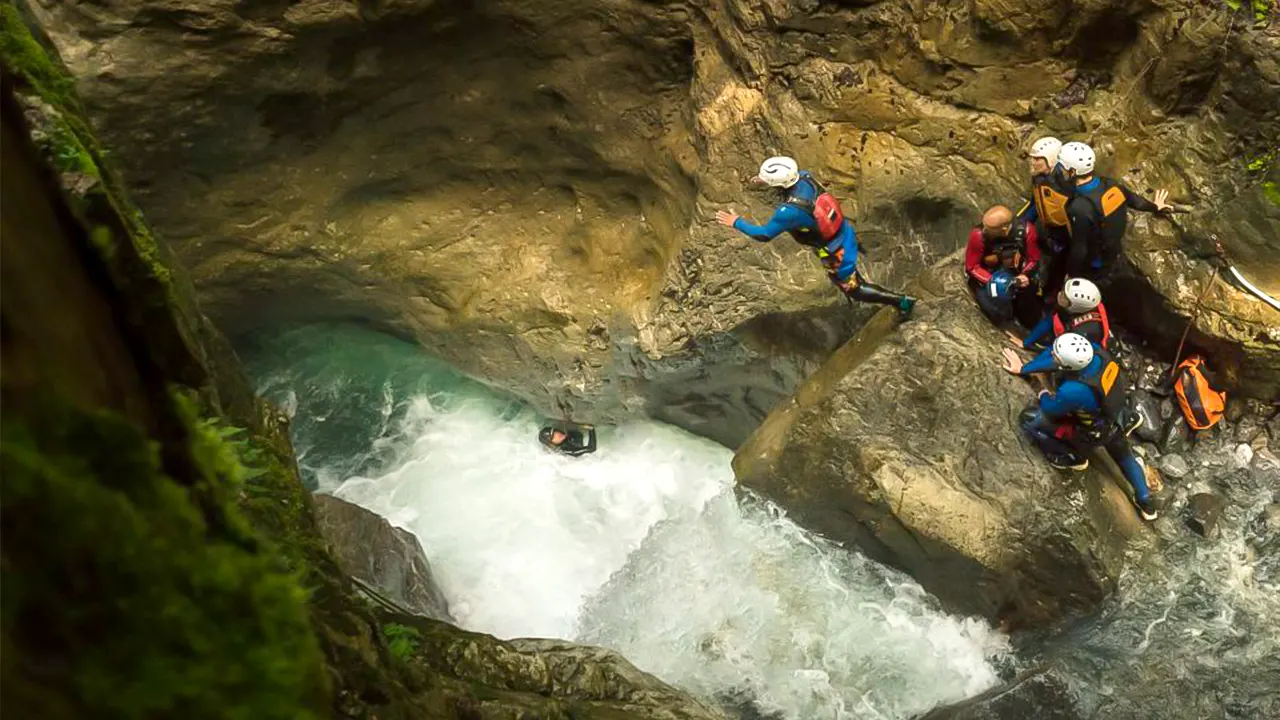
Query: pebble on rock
[(1242, 456), (1174, 466)]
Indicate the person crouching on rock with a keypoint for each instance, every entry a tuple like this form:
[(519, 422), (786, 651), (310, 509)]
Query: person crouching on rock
[(1079, 309), (1001, 260), (569, 438), (1086, 411), (813, 217)]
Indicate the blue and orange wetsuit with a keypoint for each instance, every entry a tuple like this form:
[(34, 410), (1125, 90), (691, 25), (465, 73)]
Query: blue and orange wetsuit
[(1053, 427), (840, 255)]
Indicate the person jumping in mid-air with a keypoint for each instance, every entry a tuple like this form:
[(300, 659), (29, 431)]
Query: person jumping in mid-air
[(814, 219)]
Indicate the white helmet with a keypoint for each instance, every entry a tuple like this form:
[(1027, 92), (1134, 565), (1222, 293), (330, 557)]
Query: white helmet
[(780, 172), (1072, 351), (1082, 295), (1078, 157), (1047, 148)]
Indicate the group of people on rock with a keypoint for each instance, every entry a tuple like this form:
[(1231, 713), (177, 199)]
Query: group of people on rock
[(1045, 266)]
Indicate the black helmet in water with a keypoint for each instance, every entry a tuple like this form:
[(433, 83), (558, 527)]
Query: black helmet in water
[(569, 438)]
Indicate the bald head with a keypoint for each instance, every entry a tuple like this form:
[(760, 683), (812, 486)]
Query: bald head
[(996, 219)]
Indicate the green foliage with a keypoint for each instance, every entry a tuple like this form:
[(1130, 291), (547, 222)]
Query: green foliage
[(402, 640), (1260, 166), (141, 596), (60, 128), (1272, 192), (1259, 8), (23, 55), (1261, 163)]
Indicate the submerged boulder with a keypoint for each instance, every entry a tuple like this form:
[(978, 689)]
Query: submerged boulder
[(1038, 694), (388, 558), (906, 444)]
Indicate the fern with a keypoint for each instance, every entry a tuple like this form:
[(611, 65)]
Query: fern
[(402, 640)]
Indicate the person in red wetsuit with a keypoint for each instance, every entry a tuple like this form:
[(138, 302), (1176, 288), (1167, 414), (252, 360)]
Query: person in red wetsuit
[(1001, 261)]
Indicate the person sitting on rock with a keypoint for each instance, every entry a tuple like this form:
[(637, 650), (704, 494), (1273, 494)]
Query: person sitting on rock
[(1079, 309), (1001, 261), (813, 217), (1047, 209), (569, 438), (1098, 214), (1084, 413)]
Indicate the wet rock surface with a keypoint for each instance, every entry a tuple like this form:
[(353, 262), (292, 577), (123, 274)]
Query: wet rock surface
[(388, 558), (1148, 407), (1201, 608), (1038, 694), (1203, 512), (215, 547), (526, 188), (878, 449)]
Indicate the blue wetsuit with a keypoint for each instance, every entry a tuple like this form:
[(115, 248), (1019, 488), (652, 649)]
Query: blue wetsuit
[(1056, 409), (1042, 330), (840, 255), (799, 222)]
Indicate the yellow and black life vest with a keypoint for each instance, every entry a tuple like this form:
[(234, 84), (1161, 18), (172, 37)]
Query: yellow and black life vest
[(1201, 404), (1111, 211), (1050, 200), (1110, 387)]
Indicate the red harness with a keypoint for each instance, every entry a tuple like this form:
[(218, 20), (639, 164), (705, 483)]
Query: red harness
[(1098, 315)]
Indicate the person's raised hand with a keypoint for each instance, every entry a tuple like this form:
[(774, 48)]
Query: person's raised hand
[(1012, 363), (727, 218)]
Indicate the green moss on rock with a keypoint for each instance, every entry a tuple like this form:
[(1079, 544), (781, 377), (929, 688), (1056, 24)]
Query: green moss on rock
[(161, 556), (120, 597)]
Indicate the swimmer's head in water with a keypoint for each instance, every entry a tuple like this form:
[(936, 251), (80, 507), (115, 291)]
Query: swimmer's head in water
[(551, 436)]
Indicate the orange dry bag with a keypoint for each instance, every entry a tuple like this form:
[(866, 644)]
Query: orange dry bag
[(1201, 404)]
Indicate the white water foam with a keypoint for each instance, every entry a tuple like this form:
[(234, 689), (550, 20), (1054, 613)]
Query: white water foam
[(642, 547)]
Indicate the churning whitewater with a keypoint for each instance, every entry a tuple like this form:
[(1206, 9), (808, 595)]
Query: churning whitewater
[(641, 547)]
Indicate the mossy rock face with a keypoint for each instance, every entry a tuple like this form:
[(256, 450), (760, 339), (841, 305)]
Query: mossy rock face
[(127, 594), (161, 556), (133, 585)]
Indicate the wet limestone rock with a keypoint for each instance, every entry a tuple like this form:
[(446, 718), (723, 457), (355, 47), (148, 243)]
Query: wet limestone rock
[(906, 444), (527, 188), (541, 678), (1203, 512), (388, 558)]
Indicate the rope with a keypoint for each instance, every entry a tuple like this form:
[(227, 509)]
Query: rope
[(1195, 312), (379, 598)]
